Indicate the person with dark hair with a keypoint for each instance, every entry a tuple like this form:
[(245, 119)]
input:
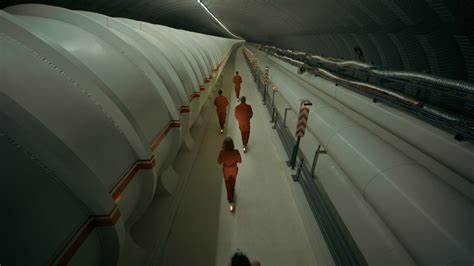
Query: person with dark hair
[(221, 104), (240, 259), (243, 113), (229, 157), (237, 81)]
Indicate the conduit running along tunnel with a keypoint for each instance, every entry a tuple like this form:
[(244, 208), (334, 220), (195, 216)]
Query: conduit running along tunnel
[(93, 112), (418, 208)]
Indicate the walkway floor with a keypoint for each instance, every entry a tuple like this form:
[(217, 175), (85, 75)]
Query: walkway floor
[(266, 225)]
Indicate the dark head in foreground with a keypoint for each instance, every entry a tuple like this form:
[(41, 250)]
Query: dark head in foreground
[(240, 259), (236, 72), (219, 92), (243, 99), (228, 144)]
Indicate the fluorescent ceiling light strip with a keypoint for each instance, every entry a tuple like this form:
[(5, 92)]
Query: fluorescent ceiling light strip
[(217, 20)]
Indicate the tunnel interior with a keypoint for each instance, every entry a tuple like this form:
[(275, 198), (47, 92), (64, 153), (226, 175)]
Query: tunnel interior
[(360, 151)]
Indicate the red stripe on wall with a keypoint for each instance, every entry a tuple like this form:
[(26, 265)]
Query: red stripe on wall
[(109, 220), (184, 109), (139, 165), (195, 95), (83, 233), (157, 141)]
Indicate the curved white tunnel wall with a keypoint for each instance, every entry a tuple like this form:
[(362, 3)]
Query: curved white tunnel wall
[(92, 110), (152, 54), (191, 56), (432, 141), (429, 218)]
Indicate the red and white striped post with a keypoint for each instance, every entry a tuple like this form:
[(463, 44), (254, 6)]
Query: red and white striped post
[(265, 84), (300, 130), (302, 119)]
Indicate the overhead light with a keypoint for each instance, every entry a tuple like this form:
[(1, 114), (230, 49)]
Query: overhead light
[(217, 20)]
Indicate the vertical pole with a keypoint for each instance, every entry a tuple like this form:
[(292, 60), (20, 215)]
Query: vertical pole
[(315, 160), (273, 114), (291, 163), (274, 120), (273, 109), (273, 97), (296, 177), (264, 94), (284, 118)]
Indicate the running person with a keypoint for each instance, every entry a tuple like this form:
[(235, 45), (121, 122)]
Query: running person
[(221, 104), (243, 113), (229, 157), (237, 82)]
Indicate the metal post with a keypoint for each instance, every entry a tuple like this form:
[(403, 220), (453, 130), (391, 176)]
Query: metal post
[(296, 177), (274, 119), (273, 97), (319, 150), (273, 108), (315, 161), (265, 94), (291, 163), (273, 114), (284, 118)]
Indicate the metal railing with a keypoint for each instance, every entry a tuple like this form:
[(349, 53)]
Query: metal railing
[(444, 103), (342, 247)]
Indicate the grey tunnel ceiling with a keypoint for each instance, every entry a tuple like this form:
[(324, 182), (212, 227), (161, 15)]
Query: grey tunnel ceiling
[(431, 36)]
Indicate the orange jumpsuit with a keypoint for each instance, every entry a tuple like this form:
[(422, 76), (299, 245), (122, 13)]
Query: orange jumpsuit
[(243, 113), (229, 160), (237, 82), (221, 104)]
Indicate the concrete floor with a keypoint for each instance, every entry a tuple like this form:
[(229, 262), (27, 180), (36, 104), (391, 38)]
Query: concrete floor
[(267, 224)]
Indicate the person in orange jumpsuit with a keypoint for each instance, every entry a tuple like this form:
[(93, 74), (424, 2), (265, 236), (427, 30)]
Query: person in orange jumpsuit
[(237, 82), (221, 104), (229, 157), (243, 113)]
